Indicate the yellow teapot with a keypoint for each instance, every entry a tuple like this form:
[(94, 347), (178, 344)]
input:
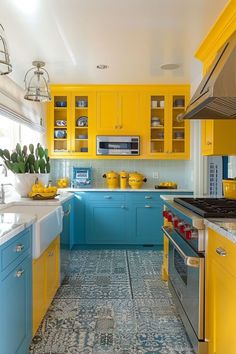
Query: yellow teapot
[(136, 180), (112, 179), (123, 179)]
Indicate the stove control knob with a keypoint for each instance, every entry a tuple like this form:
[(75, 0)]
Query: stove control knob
[(181, 227), (188, 234), (175, 221), (165, 213), (169, 216)]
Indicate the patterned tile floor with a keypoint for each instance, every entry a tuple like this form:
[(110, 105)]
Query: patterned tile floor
[(112, 301)]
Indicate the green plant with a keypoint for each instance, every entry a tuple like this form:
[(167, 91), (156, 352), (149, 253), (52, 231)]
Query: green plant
[(19, 161)]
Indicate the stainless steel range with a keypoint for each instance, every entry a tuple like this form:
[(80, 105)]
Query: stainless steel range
[(186, 234)]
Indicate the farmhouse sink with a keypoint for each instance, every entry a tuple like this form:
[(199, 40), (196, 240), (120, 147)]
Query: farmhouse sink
[(47, 226)]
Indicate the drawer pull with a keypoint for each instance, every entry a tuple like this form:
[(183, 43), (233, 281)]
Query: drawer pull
[(123, 206), (51, 254), (107, 197), (20, 248), (19, 273), (148, 206), (67, 213), (221, 252), (148, 197)]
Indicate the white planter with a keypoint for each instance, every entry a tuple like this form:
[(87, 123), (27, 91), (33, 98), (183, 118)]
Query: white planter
[(24, 182)]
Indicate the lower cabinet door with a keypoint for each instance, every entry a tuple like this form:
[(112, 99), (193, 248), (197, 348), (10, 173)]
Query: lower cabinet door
[(147, 223), (52, 270), (16, 310), (107, 223), (39, 305), (221, 309)]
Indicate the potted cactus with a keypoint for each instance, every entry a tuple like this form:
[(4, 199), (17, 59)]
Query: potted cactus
[(27, 166)]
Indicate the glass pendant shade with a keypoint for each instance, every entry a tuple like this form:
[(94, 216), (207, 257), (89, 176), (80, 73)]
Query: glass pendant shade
[(36, 83), (5, 65)]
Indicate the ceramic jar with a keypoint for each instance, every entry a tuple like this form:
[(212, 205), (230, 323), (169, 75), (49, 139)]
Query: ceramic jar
[(136, 180), (112, 179)]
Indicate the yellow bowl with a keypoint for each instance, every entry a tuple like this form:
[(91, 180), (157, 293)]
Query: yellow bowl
[(229, 188)]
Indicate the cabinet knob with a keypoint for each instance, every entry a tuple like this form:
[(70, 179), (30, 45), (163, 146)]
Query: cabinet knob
[(123, 206), (107, 197), (148, 197), (19, 273), (116, 126), (148, 206), (209, 142), (221, 252), (67, 213), (19, 248)]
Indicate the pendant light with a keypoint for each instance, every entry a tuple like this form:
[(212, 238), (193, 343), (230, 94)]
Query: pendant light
[(5, 65), (36, 83)]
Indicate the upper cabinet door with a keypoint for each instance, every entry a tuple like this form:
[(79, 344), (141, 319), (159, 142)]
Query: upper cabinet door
[(118, 112), (129, 112), (59, 124), (107, 112)]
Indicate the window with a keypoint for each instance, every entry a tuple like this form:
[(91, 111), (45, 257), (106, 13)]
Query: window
[(12, 132)]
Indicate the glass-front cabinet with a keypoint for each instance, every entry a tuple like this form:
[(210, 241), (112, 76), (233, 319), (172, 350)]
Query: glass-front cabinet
[(60, 114), (69, 124), (168, 134)]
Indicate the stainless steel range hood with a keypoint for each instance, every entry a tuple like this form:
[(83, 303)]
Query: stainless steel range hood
[(215, 97)]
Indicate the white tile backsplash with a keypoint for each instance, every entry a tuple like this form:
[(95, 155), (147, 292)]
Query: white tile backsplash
[(179, 171)]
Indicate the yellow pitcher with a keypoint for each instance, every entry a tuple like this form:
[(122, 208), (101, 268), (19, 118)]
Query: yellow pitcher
[(123, 179), (136, 180), (111, 179)]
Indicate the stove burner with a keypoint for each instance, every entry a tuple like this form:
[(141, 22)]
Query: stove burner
[(210, 207)]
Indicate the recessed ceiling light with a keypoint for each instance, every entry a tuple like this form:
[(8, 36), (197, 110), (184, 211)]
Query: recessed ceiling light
[(169, 66), (102, 66)]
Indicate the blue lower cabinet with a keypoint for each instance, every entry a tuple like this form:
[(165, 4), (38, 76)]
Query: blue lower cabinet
[(16, 294), (67, 231), (119, 217), (147, 223), (107, 223), (16, 309)]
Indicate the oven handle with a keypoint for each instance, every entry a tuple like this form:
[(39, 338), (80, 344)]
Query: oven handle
[(193, 262)]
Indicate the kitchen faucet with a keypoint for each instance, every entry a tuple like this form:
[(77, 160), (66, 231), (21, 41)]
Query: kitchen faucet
[(4, 172), (2, 200)]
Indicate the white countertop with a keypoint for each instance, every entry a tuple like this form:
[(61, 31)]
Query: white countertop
[(224, 227), (13, 223), (63, 190)]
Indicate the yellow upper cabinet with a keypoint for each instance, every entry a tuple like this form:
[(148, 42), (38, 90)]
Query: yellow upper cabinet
[(217, 135), (167, 138), (220, 294), (71, 123), (77, 114), (118, 112)]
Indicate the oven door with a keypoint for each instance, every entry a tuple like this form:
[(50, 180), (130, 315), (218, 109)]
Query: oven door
[(186, 274)]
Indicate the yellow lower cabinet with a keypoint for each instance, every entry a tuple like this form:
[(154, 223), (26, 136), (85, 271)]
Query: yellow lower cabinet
[(52, 275), (39, 307), (165, 259), (220, 295), (46, 280)]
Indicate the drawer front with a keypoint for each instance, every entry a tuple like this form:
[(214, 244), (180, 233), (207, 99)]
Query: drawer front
[(143, 197), (16, 247), (106, 197), (223, 251)]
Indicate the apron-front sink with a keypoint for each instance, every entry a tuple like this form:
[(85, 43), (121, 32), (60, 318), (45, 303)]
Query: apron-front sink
[(47, 226)]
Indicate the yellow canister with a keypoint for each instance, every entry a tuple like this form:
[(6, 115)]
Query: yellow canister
[(123, 179), (136, 180), (112, 179), (229, 188)]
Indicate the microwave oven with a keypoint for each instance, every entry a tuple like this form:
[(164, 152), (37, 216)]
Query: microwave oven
[(118, 145)]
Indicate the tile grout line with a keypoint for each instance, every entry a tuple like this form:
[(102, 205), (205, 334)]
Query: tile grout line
[(130, 281)]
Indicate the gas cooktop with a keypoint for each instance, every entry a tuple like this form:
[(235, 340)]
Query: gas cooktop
[(210, 207)]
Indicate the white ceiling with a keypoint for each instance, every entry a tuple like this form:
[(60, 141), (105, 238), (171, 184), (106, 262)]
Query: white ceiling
[(134, 37)]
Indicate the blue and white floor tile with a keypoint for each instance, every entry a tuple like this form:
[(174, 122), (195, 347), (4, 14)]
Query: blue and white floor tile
[(112, 301)]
